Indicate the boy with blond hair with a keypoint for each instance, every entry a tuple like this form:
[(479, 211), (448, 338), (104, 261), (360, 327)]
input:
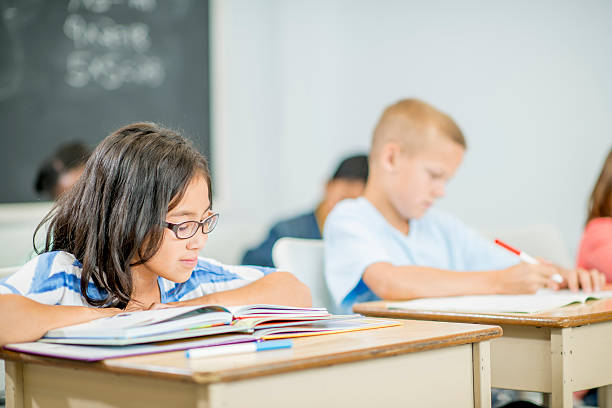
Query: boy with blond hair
[(390, 243)]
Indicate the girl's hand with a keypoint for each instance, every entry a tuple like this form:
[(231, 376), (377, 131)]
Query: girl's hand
[(105, 311), (157, 306), (588, 281), (575, 279), (134, 306)]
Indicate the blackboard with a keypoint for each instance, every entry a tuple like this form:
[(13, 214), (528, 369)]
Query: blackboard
[(79, 69)]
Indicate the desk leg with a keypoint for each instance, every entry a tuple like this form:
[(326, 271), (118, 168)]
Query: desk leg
[(560, 353), (14, 384), (202, 397), (481, 355), (604, 396)]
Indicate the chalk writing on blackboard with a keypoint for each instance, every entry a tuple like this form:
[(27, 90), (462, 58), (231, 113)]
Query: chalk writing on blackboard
[(108, 53)]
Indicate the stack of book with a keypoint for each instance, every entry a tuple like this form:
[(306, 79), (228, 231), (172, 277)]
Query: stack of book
[(187, 327)]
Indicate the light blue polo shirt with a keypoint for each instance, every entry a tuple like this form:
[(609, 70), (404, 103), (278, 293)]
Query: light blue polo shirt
[(356, 236)]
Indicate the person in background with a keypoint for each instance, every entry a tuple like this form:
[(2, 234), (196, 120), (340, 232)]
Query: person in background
[(595, 251), (391, 244), (347, 182), (59, 173)]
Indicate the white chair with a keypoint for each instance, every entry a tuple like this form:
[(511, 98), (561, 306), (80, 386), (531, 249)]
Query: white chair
[(4, 272), (304, 258), (2, 381), (17, 225)]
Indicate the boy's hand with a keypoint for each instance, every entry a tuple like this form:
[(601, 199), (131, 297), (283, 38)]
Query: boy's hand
[(527, 278)]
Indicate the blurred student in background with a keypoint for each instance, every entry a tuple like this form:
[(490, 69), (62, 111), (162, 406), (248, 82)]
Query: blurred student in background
[(58, 173), (347, 182), (391, 244), (595, 251)]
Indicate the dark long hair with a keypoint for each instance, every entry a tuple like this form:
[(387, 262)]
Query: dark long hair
[(114, 214), (600, 202)]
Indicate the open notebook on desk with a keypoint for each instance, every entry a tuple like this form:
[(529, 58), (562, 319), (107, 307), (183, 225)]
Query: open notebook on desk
[(323, 327), (181, 322), (338, 324), (97, 353), (541, 301)]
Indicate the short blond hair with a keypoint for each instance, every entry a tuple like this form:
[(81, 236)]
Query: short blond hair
[(410, 122)]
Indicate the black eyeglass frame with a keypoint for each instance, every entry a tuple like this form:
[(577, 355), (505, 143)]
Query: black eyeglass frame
[(174, 227)]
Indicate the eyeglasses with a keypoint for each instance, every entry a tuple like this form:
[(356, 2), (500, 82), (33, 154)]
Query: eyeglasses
[(188, 229)]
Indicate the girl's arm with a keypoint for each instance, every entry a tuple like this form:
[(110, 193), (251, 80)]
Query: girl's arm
[(596, 247), (277, 288), (23, 319), (601, 259)]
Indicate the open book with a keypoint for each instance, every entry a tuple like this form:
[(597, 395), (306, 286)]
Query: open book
[(179, 322), (336, 324), (332, 326), (97, 353), (541, 301)]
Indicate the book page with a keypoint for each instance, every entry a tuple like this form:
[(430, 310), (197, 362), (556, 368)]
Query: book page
[(125, 339), (325, 327), (543, 300), (147, 321), (96, 353), (266, 310)]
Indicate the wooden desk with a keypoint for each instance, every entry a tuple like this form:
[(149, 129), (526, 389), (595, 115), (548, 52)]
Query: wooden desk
[(419, 363), (556, 352)]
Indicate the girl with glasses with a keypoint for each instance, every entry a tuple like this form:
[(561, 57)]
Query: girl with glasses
[(127, 236)]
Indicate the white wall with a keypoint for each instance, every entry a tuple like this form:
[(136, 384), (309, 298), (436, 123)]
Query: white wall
[(299, 84)]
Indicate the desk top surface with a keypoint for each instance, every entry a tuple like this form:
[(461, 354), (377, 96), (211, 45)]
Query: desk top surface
[(595, 311), (308, 352)]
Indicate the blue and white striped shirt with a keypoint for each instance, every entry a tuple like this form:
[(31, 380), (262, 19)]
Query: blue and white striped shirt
[(54, 278)]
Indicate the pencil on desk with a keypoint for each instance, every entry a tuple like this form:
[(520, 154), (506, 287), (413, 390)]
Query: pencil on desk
[(238, 348)]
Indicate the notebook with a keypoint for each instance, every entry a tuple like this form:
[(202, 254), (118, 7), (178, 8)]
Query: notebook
[(178, 322), (97, 353), (541, 301), (324, 327)]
